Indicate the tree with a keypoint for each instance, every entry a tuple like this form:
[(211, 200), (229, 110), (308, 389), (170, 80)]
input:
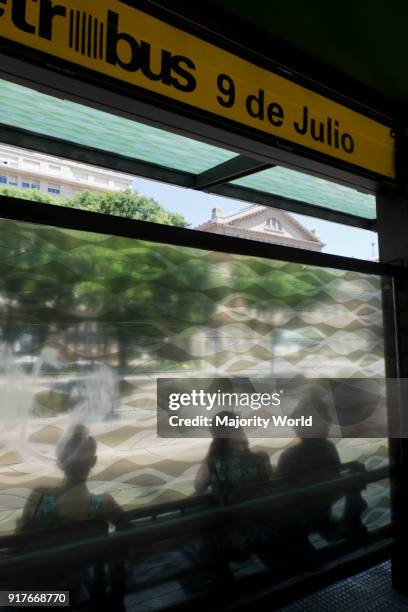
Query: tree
[(125, 204), (59, 279), (28, 194), (122, 204)]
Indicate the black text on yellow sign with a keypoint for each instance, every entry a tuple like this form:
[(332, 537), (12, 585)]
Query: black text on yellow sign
[(122, 42)]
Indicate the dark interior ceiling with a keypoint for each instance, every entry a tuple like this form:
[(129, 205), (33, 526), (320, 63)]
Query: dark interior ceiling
[(366, 40)]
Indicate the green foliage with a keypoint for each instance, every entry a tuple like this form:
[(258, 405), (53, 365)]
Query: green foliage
[(28, 194), (82, 287), (122, 204), (125, 204), (54, 279)]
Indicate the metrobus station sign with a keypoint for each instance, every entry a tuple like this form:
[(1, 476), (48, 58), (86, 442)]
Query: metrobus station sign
[(119, 41)]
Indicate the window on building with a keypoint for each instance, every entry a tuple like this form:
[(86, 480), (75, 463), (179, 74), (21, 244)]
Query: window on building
[(274, 223), (55, 189), (81, 176), (8, 180), (33, 165), (120, 185), (54, 169), (30, 184), (12, 162)]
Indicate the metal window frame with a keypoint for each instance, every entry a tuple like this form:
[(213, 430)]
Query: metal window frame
[(215, 180), (60, 217), (70, 218)]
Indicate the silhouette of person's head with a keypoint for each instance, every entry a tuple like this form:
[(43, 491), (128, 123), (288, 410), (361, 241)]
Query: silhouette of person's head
[(76, 453), (228, 439), (316, 408)]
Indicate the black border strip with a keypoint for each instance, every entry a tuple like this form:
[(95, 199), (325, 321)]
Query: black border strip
[(58, 216)]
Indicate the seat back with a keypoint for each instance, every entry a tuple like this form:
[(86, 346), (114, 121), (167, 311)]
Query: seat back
[(85, 575)]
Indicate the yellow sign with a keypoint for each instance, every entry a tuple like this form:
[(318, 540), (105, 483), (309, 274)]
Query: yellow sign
[(119, 41)]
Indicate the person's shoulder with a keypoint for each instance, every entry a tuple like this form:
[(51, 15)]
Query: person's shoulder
[(38, 493), (31, 507), (264, 464), (261, 456), (332, 449), (329, 446), (106, 499), (291, 451), (111, 509), (288, 456)]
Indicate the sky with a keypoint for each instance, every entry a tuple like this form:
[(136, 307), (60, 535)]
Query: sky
[(196, 207)]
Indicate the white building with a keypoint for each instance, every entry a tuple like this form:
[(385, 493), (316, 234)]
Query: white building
[(263, 224), (58, 177)]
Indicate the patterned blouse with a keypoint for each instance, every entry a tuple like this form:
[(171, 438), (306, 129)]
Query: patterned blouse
[(239, 469), (47, 516)]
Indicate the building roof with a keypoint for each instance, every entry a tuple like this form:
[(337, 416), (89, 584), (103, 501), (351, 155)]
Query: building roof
[(239, 224), (256, 211)]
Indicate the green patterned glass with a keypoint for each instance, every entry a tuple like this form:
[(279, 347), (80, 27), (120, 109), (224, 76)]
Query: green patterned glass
[(88, 323), (36, 112), (311, 190)]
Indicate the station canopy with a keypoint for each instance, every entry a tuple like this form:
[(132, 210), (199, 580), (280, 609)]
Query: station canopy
[(36, 121)]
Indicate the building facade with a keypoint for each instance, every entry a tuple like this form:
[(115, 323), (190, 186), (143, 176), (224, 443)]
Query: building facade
[(58, 177), (263, 224)]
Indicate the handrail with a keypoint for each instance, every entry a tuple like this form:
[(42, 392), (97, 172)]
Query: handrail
[(115, 543), (179, 506)]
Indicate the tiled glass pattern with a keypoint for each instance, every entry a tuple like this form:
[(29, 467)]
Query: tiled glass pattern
[(303, 188), (88, 322), (31, 110)]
